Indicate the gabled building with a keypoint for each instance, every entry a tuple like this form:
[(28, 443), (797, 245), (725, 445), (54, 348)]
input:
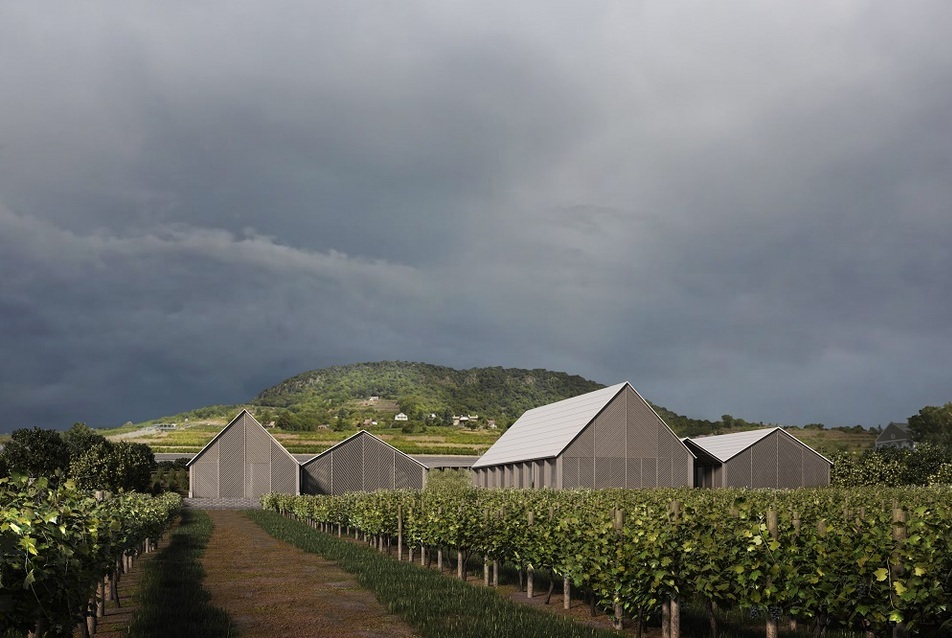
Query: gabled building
[(895, 435), (606, 438), (242, 461), (361, 463), (768, 457)]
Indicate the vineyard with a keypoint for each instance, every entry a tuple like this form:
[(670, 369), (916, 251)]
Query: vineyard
[(63, 550), (871, 560)]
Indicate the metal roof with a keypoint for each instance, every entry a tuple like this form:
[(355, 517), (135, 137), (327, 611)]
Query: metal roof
[(230, 424), (354, 437), (724, 447), (430, 460), (445, 461), (545, 431)]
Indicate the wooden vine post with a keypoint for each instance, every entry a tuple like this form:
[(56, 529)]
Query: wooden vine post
[(485, 556), (618, 621), (674, 615), (400, 532), (501, 516), (772, 529), (796, 530), (439, 548), (896, 567), (530, 591)]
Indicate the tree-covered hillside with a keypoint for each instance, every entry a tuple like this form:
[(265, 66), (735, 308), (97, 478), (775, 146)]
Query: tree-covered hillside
[(421, 389), (369, 395)]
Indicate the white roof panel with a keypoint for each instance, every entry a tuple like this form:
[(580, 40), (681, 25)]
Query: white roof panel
[(725, 446), (545, 431)]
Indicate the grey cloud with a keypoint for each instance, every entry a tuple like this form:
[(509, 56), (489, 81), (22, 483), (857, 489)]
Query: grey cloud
[(741, 209)]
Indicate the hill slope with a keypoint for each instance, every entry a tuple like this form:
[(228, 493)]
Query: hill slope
[(420, 389), (360, 395)]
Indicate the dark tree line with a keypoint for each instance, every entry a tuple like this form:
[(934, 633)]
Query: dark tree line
[(79, 454)]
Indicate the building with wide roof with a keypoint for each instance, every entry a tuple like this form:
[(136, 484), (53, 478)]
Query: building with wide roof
[(242, 461), (607, 438), (769, 457)]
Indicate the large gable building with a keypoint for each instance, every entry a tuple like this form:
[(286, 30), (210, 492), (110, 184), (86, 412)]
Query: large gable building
[(607, 438)]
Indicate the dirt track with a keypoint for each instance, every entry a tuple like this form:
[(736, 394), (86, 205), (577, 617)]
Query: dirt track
[(270, 588)]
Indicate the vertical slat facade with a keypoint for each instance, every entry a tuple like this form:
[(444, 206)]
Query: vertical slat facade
[(317, 476), (625, 445), (777, 460), (737, 472), (203, 475), (285, 471), (763, 462), (231, 462), (243, 461), (362, 463)]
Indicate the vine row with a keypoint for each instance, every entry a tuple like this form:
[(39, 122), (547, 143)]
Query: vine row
[(868, 559), (63, 550)]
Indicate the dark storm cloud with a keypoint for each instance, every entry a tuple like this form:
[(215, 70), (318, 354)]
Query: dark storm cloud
[(741, 210)]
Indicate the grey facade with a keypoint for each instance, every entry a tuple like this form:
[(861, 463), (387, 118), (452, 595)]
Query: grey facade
[(361, 463), (607, 438), (242, 461), (895, 435), (768, 458)]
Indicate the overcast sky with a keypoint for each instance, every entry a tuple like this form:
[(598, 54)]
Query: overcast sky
[(739, 207)]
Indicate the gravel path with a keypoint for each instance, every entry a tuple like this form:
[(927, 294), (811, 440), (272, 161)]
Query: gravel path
[(270, 588)]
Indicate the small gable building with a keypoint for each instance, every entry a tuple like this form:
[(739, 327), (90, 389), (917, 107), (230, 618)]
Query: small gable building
[(895, 435), (243, 461), (768, 457), (361, 463)]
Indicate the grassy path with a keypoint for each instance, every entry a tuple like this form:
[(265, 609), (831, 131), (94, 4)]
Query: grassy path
[(270, 588), (435, 605)]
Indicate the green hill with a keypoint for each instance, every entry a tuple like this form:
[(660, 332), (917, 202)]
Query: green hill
[(369, 395), (420, 390)]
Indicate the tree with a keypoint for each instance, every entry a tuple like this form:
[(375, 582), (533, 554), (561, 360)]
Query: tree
[(933, 425), (117, 467), (36, 452), (80, 438)]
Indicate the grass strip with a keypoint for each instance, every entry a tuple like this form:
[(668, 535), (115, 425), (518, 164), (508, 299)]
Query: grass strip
[(172, 601), (435, 606)]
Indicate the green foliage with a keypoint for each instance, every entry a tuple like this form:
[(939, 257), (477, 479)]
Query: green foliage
[(833, 554), (37, 453), (933, 425), (170, 476), (58, 541), (422, 389), (888, 466), (291, 422), (448, 480), (433, 605), (80, 438), (942, 476), (116, 467)]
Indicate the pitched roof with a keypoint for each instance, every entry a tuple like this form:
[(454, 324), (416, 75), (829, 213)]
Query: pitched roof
[(243, 413), (890, 433), (724, 447), (355, 436), (545, 431)]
